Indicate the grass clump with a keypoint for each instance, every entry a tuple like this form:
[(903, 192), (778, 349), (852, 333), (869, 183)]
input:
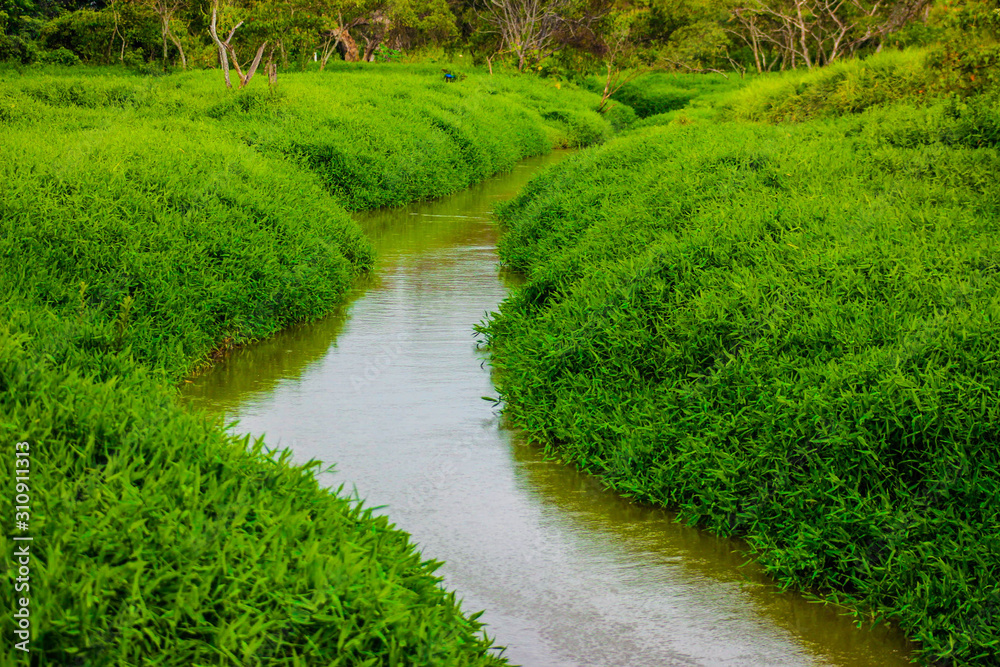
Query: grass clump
[(172, 232), (917, 77), (790, 334), (846, 86), (378, 136), (146, 225), (659, 92), (160, 539)]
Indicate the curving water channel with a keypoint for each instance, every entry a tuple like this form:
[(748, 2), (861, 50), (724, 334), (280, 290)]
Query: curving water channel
[(389, 390)]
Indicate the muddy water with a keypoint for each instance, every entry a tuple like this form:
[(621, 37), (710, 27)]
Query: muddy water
[(390, 390)]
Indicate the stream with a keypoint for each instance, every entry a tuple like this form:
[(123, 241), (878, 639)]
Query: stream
[(389, 390)]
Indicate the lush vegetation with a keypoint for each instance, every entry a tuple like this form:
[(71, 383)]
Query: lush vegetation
[(660, 93), (788, 332), (852, 86), (374, 135), (561, 38), (145, 226), (159, 540)]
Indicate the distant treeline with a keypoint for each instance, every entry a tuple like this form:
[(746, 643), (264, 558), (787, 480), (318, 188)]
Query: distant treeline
[(556, 37)]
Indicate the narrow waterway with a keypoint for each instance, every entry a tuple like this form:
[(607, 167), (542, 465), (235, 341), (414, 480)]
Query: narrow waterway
[(390, 389)]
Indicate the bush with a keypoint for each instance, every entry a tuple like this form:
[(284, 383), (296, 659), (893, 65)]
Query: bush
[(89, 33), (577, 129), (17, 49), (621, 116), (965, 69), (60, 56), (86, 33), (659, 93), (845, 87)]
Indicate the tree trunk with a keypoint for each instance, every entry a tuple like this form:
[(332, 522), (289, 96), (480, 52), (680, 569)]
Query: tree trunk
[(371, 44), (223, 56), (349, 45), (328, 47), (756, 46), (245, 78), (226, 49), (114, 12), (180, 49), (166, 33), (607, 91), (271, 68), (803, 33)]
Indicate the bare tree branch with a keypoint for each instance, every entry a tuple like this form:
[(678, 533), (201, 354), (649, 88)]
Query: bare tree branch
[(817, 31), (226, 49)]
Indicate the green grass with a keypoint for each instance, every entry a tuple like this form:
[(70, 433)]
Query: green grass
[(659, 92), (376, 136), (161, 540), (918, 77), (789, 333), (146, 224), (846, 86), (172, 236)]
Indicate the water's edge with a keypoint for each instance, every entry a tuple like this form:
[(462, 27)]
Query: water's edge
[(389, 389)]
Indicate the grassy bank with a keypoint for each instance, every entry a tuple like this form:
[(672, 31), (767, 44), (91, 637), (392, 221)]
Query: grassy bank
[(658, 93), (147, 224), (788, 332), (375, 136), (915, 77)]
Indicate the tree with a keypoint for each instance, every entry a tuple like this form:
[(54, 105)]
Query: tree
[(817, 32), (416, 22), (17, 15), (533, 30), (165, 10), (335, 35), (625, 56), (226, 49), (619, 54), (397, 24), (527, 28)]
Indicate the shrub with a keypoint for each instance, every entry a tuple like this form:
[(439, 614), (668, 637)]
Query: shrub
[(846, 86), (621, 116), (16, 49), (89, 33), (60, 56)]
